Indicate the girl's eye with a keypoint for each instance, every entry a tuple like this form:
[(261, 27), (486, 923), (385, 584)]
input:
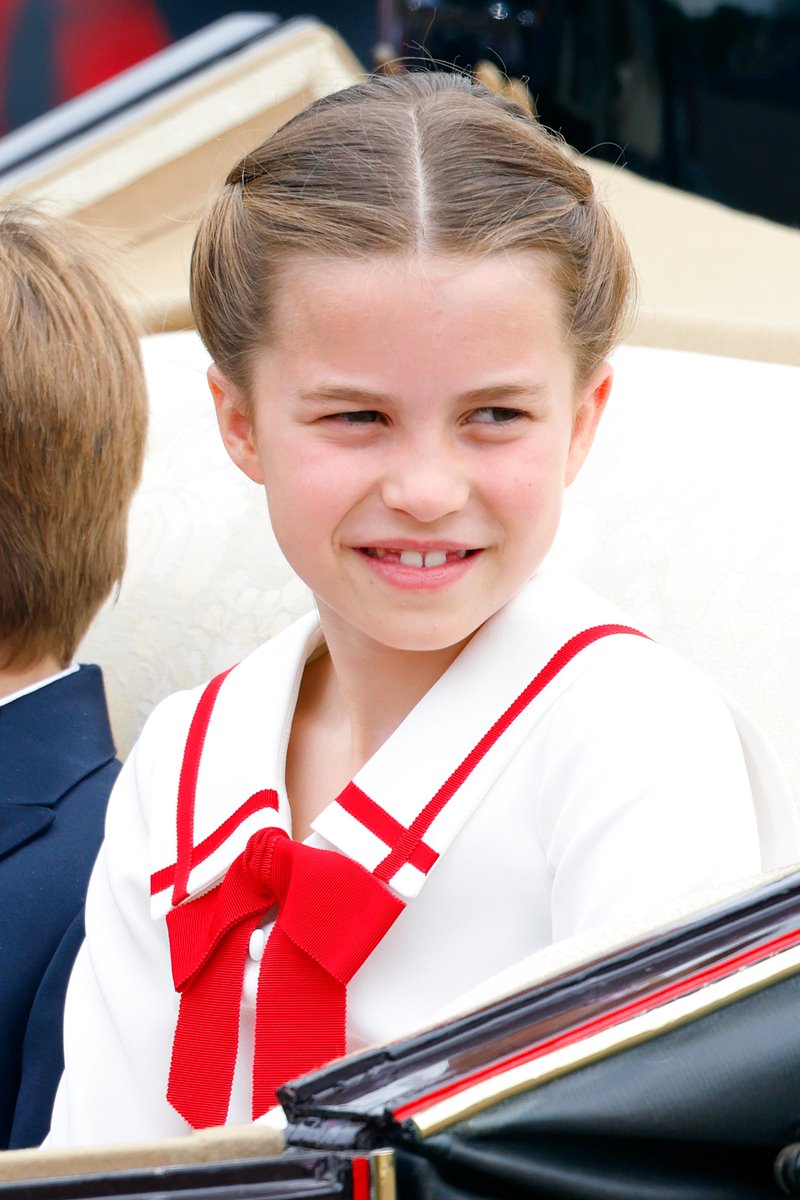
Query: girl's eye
[(495, 416), (365, 416)]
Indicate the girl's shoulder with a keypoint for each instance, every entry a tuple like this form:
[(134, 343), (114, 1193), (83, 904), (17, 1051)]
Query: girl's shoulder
[(632, 716), (609, 651)]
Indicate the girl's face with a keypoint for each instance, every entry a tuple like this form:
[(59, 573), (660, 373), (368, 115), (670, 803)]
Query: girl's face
[(414, 422)]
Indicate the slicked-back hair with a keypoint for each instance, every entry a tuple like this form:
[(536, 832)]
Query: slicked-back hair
[(424, 162), (73, 420)]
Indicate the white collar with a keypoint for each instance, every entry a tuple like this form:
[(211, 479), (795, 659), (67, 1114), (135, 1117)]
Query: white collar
[(41, 683), (245, 752)]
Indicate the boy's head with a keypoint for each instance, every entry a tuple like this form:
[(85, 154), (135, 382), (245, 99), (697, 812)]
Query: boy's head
[(73, 421)]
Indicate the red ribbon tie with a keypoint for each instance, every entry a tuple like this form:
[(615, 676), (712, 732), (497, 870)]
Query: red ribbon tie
[(332, 913)]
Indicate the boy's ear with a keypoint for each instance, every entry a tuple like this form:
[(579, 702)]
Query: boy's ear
[(234, 423), (589, 405)]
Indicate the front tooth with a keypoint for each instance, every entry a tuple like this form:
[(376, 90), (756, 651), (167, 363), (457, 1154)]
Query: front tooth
[(411, 558), (435, 558)]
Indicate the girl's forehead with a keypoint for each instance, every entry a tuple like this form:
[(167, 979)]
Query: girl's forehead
[(415, 268), (392, 318), (314, 290)]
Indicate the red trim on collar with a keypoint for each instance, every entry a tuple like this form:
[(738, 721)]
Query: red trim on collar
[(188, 784), (268, 798), (374, 818), (408, 844)]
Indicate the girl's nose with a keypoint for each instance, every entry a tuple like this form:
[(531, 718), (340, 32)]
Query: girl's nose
[(426, 484)]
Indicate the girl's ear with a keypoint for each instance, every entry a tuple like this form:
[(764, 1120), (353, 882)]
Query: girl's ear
[(589, 405), (234, 423)]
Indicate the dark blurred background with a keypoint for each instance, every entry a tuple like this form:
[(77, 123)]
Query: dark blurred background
[(702, 94), (51, 50)]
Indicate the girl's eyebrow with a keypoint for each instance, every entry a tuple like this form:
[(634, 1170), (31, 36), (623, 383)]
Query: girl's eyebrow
[(490, 394), (497, 393), (341, 394)]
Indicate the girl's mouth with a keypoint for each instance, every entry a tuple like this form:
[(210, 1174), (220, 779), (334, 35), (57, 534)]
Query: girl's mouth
[(418, 558)]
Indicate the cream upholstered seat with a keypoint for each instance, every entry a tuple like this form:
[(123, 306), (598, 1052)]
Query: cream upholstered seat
[(685, 514), (205, 581)]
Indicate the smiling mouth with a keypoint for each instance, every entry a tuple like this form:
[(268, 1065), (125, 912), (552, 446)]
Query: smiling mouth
[(418, 558)]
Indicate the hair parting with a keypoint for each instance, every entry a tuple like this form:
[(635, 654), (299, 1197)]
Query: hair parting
[(425, 162)]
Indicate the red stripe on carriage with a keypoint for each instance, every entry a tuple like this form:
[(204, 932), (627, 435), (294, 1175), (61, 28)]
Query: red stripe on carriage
[(374, 818), (362, 1189), (617, 1016), (406, 846)]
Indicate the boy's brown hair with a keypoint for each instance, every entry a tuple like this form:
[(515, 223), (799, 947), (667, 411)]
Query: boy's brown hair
[(73, 421)]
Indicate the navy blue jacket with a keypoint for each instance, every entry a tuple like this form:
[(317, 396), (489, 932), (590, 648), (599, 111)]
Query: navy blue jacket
[(57, 767)]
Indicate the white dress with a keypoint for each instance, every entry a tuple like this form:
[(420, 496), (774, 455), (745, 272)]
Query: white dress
[(626, 782)]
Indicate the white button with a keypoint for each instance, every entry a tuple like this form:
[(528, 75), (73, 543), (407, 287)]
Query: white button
[(258, 940)]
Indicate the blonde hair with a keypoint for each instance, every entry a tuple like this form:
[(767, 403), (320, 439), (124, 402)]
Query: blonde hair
[(73, 420), (425, 161)]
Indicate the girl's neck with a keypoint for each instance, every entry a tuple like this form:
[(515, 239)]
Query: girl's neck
[(351, 701), (375, 687)]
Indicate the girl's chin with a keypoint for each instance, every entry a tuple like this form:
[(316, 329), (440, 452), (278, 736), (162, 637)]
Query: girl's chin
[(408, 637)]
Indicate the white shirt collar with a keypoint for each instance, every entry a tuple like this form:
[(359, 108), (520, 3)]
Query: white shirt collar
[(444, 752), (41, 683)]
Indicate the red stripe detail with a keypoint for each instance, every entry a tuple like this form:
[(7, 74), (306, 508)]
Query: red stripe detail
[(188, 785), (268, 798), (374, 818), (402, 851), (361, 1179), (160, 880), (616, 1017)]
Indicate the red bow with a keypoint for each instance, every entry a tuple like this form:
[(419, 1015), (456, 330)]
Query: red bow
[(332, 914)]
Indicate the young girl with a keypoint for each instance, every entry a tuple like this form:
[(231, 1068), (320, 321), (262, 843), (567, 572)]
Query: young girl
[(409, 293)]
